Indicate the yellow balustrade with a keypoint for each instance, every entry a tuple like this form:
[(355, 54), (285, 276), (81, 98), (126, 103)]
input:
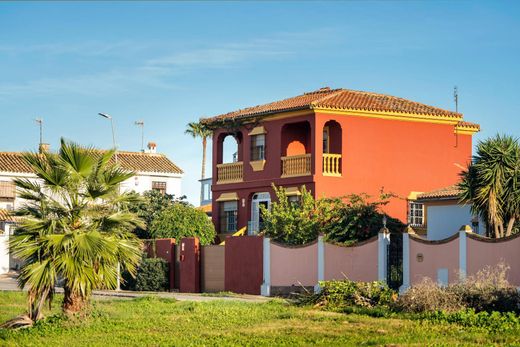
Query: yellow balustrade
[(296, 165), (331, 164), (230, 173)]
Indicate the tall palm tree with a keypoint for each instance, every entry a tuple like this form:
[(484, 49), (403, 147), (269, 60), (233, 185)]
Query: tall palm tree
[(200, 130), (491, 184), (74, 228)]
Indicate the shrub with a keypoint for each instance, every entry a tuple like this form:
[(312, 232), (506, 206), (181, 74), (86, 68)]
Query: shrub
[(152, 275), (182, 220), (493, 321), (341, 295), (487, 291)]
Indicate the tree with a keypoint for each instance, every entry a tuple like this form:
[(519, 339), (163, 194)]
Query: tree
[(72, 227), (344, 220), (149, 206), (183, 220), (200, 130), (491, 184)]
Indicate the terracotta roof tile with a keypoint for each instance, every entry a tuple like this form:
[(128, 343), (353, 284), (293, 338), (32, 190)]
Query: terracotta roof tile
[(343, 99), (468, 125), (134, 161), (443, 193), (5, 216)]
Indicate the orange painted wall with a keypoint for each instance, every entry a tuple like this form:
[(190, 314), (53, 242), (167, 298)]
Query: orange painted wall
[(399, 156)]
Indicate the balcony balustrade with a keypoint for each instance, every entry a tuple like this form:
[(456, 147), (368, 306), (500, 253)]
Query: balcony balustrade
[(296, 165), (331, 164), (230, 173)]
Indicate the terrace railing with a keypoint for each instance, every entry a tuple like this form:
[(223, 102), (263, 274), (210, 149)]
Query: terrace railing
[(296, 165), (230, 173), (331, 164)]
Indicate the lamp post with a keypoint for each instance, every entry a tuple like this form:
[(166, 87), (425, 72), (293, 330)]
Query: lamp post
[(140, 124), (107, 116)]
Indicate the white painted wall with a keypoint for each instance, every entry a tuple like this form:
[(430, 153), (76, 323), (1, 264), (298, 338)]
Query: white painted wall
[(445, 221), (4, 254), (142, 182)]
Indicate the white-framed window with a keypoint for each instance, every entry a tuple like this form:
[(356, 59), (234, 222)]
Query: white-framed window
[(415, 213), (258, 147), (228, 216), (159, 186), (326, 140)]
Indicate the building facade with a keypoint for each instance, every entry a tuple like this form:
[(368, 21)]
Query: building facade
[(334, 142)]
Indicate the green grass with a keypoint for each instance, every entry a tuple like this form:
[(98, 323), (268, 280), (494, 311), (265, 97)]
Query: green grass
[(163, 322)]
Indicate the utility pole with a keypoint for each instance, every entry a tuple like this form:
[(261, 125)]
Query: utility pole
[(140, 123), (456, 98)]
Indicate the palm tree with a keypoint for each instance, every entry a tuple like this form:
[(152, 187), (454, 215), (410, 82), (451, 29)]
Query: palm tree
[(75, 229), (200, 130), (491, 184)]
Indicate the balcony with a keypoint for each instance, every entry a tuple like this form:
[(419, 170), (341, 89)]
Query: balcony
[(296, 165), (230, 173), (331, 164)]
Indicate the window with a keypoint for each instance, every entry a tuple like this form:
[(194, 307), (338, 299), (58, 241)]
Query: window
[(228, 216), (159, 186), (326, 140), (415, 214), (258, 147)]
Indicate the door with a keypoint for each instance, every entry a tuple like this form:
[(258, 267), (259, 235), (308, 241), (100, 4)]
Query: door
[(256, 223)]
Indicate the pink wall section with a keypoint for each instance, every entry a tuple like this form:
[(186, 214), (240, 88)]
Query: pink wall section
[(294, 266), (435, 256), (483, 253), (357, 263)]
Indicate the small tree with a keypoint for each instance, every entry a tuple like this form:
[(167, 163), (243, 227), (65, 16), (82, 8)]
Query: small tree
[(183, 220), (491, 184), (291, 222)]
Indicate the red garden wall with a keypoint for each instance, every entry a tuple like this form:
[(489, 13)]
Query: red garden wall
[(243, 264)]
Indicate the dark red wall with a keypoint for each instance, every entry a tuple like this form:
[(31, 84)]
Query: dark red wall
[(244, 264), (189, 265), (165, 249)]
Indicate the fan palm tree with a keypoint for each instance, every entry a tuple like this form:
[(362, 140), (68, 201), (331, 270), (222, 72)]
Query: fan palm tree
[(74, 227), (200, 130), (491, 184)]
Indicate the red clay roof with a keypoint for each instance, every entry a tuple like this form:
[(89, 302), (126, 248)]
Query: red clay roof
[(443, 193), (468, 125), (5, 216), (343, 99), (134, 161)]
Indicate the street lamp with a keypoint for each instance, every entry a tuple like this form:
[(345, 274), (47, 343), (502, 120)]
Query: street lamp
[(107, 116)]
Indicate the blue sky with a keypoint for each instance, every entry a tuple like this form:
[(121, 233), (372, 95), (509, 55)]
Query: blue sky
[(169, 63)]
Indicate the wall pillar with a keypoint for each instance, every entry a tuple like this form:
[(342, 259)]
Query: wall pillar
[(383, 239), (406, 263), (463, 251), (321, 263), (265, 289)]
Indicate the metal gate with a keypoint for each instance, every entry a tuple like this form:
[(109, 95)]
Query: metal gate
[(394, 273)]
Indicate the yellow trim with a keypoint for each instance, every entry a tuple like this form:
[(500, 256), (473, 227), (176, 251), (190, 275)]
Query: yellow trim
[(465, 131), (413, 195), (258, 131), (283, 115), (241, 232), (257, 165), (412, 117), (292, 191), (227, 197)]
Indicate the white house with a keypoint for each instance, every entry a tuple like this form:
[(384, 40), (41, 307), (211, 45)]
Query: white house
[(154, 171), (444, 214)]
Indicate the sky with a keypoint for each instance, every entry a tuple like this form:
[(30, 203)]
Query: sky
[(170, 63)]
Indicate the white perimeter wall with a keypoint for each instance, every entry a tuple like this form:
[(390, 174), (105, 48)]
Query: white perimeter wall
[(444, 221), (4, 254)]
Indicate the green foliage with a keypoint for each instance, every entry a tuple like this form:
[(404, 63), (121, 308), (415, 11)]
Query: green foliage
[(182, 220), (343, 220), (496, 322), (152, 275), (72, 228), (149, 206), (290, 222), (339, 295), (491, 184)]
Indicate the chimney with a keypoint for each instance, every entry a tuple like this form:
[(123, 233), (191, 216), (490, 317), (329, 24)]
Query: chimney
[(44, 147), (152, 147)]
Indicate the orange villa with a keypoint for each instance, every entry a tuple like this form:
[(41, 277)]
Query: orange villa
[(335, 142)]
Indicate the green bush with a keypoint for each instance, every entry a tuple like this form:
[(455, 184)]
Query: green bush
[(493, 321), (344, 294), (182, 220), (152, 275)]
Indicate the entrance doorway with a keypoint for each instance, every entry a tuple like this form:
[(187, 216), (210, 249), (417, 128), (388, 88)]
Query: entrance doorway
[(256, 223)]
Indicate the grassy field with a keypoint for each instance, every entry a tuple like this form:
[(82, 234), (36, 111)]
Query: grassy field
[(163, 322)]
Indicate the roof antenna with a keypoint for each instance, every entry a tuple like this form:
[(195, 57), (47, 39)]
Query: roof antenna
[(140, 124), (456, 98), (40, 124)]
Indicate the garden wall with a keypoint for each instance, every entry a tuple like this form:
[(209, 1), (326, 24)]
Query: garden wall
[(358, 262), (212, 268)]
